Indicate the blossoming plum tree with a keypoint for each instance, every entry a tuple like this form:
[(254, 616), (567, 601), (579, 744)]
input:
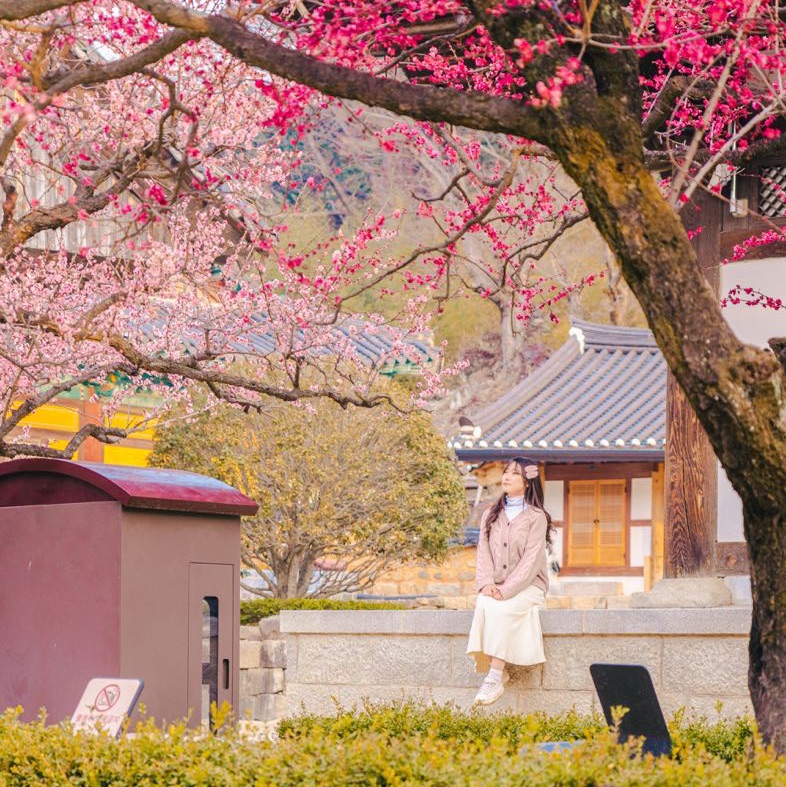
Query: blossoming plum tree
[(613, 92)]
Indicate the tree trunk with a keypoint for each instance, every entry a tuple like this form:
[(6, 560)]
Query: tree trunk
[(766, 537), (736, 391), (510, 345)]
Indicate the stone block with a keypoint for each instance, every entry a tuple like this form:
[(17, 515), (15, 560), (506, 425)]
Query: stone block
[(261, 680), (713, 666), (568, 658), (588, 602), (268, 707), (733, 621), (618, 602), (558, 602), (444, 588), (554, 702), (708, 707), (273, 653), (562, 621), (250, 654), (525, 678), (249, 633), (462, 670), (373, 660), (270, 628), (394, 621), (590, 588), (386, 589), (684, 592), (466, 575), (292, 649), (740, 589)]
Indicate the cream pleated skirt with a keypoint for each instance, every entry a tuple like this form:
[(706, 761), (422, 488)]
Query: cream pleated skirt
[(508, 629)]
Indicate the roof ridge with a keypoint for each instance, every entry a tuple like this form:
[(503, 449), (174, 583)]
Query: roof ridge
[(599, 335)]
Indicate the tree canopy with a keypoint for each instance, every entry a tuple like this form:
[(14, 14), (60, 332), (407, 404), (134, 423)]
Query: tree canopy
[(343, 494)]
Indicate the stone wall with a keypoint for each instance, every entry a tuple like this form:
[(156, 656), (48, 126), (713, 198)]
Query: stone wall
[(697, 658), (454, 579), (263, 662)]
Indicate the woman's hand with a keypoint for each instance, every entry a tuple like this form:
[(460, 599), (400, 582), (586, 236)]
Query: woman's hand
[(493, 591)]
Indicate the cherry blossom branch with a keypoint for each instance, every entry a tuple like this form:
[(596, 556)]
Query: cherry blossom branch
[(481, 111), (188, 370)]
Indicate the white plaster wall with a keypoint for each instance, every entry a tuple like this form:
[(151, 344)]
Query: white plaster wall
[(755, 325), (729, 510), (640, 544), (554, 492), (641, 500)]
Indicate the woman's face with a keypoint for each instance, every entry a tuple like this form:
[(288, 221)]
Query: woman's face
[(513, 481)]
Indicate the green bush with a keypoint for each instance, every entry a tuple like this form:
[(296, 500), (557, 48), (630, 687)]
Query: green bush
[(253, 610), (443, 722), (396, 745)]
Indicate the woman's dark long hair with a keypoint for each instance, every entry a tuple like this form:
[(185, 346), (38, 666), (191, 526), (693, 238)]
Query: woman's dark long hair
[(533, 496)]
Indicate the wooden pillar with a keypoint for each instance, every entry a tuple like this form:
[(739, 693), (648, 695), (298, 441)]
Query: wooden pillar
[(691, 482), (691, 491), (658, 550)]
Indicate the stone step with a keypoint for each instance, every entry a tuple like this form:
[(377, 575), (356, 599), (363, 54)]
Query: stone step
[(588, 588)]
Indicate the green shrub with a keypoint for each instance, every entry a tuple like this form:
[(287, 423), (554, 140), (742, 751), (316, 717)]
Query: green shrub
[(253, 610), (391, 745), (443, 722), (724, 738)]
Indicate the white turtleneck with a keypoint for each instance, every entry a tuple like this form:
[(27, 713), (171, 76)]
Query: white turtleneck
[(514, 506)]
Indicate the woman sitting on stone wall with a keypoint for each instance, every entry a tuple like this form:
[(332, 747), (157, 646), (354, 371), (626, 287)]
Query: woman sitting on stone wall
[(511, 578)]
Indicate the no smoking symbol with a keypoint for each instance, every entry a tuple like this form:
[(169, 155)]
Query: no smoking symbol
[(107, 697)]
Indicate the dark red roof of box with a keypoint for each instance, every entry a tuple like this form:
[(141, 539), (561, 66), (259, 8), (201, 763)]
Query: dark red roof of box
[(134, 487)]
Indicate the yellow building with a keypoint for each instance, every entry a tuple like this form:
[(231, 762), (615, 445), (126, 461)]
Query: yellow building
[(54, 424)]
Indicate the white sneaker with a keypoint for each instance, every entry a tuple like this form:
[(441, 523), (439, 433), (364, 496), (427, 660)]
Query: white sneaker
[(490, 691)]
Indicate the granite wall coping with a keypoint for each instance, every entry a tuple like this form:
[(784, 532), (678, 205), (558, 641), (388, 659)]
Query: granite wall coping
[(717, 621)]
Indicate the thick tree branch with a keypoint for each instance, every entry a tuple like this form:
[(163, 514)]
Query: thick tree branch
[(61, 81), (422, 102), (14, 10)]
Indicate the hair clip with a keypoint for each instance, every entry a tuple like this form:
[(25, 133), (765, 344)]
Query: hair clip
[(531, 471)]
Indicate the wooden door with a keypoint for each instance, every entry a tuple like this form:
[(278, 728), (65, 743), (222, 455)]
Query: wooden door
[(596, 524)]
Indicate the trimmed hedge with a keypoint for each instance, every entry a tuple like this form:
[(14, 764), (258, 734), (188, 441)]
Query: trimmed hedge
[(253, 610), (725, 739), (392, 746)]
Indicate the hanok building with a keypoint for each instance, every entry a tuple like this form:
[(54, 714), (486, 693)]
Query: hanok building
[(593, 417)]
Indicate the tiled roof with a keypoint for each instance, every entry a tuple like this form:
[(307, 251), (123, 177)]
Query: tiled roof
[(372, 349), (601, 396)]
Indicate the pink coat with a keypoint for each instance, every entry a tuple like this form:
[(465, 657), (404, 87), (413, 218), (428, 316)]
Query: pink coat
[(513, 557)]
